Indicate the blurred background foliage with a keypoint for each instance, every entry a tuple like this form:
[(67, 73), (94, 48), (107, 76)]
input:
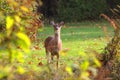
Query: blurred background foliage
[(76, 10), (15, 19)]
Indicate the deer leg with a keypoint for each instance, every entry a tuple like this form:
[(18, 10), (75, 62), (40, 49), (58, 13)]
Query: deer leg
[(57, 60), (47, 55), (52, 57)]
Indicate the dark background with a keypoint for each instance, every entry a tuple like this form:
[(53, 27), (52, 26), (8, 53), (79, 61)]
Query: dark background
[(76, 10)]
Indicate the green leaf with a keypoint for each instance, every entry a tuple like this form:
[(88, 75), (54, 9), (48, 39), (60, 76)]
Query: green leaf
[(82, 54)]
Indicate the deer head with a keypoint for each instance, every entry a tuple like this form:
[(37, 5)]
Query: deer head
[(57, 26)]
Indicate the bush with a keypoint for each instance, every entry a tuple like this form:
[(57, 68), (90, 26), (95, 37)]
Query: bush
[(14, 43)]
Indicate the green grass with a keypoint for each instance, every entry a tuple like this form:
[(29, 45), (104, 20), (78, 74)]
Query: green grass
[(76, 37)]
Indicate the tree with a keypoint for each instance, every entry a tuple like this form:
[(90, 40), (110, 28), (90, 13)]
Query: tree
[(49, 8), (84, 8), (112, 50)]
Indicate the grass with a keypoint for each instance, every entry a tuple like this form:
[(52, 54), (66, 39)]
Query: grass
[(76, 38)]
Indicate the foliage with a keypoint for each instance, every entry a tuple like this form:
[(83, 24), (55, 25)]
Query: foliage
[(48, 8), (4, 8), (112, 50), (115, 67), (113, 3), (76, 10), (15, 15), (73, 10)]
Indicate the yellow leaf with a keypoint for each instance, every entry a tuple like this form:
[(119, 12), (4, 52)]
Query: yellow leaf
[(15, 3), (84, 75), (24, 37), (20, 57), (63, 53), (69, 70), (85, 65), (23, 41), (24, 8), (97, 62), (17, 18), (9, 22), (19, 13), (21, 70)]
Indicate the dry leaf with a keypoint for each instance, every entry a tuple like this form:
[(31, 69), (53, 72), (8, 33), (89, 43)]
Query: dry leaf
[(40, 64)]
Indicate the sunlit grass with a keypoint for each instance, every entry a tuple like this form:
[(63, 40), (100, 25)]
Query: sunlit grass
[(76, 38)]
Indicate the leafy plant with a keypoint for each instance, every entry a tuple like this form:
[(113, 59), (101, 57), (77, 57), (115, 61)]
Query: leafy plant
[(14, 43), (110, 56)]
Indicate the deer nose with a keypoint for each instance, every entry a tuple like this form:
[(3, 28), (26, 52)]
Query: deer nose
[(56, 28)]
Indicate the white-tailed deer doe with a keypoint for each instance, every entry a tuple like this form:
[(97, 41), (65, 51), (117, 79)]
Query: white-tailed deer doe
[(53, 44)]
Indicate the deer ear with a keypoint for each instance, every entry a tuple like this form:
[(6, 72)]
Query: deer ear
[(52, 23), (61, 23)]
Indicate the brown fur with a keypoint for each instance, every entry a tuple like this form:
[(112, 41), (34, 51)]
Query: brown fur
[(53, 44)]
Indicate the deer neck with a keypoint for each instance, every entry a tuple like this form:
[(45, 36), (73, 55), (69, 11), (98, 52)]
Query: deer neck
[(57, 37)]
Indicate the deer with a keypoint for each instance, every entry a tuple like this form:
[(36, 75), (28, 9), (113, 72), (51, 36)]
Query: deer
[(53, 44)]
